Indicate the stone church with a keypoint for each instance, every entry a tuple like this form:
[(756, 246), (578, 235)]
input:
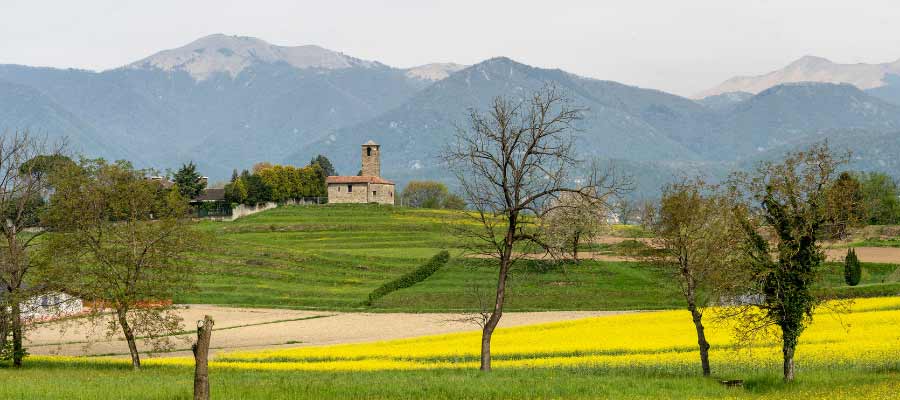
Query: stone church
[(368, 187)]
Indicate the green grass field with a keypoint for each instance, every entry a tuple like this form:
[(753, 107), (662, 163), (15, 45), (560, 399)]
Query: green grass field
[(332, 257), (75, 381)]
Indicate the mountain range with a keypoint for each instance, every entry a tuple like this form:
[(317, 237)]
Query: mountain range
[(810, 69), (227, 102)]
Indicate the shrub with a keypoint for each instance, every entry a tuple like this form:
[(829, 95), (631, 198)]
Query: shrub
[(411, 278), (852, 269)]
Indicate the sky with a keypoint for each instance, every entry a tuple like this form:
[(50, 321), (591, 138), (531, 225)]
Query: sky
[(682, 46)]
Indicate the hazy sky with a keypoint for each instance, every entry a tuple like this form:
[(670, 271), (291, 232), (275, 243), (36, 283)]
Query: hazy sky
[(680, 46)]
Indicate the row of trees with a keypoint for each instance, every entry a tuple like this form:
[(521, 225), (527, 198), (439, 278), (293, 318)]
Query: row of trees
[(751, 243), (279, 183), (107, 235), (859, 198)]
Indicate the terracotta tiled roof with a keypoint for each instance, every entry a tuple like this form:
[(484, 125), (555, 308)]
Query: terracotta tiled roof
[(357, 179)]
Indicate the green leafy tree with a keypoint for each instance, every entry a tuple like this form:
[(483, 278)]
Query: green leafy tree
[(324, 163), (852, 268), (313, 178), (236, 191), (429, 194), (121, 240), (453, 202), (880, 198), (43, 165), (257, 190), (23, 184), (189, 182), (424, 194), (790, 198), (846, 206), (696, 238)]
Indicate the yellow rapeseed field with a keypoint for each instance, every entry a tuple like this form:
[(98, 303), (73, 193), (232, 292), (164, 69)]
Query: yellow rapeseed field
[(869, 336)]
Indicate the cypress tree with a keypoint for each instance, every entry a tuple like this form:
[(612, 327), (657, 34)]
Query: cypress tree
[(852, 269)]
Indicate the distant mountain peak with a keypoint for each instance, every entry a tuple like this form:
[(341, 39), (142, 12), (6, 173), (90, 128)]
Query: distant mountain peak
[(433, 72), (809, 69), (220, 53), (810, 61)]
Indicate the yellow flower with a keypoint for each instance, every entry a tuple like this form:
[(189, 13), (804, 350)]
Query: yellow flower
[(869, 336)]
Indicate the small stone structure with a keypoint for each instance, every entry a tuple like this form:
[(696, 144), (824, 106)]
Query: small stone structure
[(369, 187)]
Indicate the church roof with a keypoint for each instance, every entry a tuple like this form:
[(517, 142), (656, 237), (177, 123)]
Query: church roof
[(357, 179), (371, 143)]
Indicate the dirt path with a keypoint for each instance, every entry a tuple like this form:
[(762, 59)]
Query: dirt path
[(243, 329), (886, 255), (582, 255)]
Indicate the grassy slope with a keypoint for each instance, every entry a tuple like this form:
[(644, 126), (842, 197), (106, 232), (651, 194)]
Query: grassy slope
[(332, 257), (314, 257)]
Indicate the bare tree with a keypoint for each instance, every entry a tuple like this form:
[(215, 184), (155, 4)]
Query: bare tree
[(22, 191), (696, 240), (121, 241), (512, 163), (626, 209)]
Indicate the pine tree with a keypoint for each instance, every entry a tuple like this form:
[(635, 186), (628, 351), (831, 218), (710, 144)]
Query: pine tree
[(325, 163), (190, 183)]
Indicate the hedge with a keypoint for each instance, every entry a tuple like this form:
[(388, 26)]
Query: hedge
[(411, 278)]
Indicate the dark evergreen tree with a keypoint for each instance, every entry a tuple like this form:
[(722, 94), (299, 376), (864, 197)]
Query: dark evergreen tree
[(257, 190), (190, 183), (325, 163), (852, 269)]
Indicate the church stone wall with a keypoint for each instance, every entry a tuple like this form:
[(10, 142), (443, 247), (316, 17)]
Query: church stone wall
[(381, 193), (338, 193)]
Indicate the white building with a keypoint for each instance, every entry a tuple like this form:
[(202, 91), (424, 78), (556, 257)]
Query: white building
[(51, 305)]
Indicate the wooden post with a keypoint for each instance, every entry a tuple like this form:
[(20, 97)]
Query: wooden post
[(201, 358)]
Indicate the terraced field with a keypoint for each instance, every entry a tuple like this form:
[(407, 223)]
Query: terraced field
[(332, 257)]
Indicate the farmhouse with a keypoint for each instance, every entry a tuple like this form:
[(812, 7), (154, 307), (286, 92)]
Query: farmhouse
[(368, 187)]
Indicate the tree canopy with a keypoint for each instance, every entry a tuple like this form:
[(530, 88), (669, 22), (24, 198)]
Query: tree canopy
[(120, 239), (189, 182)]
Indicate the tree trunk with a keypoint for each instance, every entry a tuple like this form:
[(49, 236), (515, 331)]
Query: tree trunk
[(4, 326), (201, 358), (494, 319), (788, 350), (18, 351), (701, 339), (575, 247), (129, 337)]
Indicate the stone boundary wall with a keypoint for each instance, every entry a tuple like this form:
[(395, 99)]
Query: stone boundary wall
[(244, 210)]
